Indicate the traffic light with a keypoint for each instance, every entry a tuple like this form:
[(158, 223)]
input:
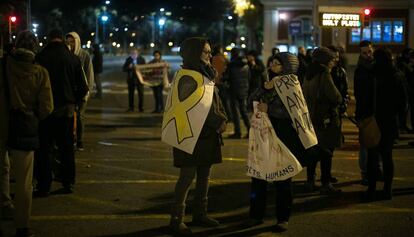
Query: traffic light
[(12, 26), (13, 19), (367, 13)]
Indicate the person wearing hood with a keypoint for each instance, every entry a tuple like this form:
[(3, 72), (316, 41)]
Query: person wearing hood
[(271, 103), (363, 81), (29, 90), (69, 88), (196, 54), (388, 99), (323, 99), (74, 43), (237, 75)]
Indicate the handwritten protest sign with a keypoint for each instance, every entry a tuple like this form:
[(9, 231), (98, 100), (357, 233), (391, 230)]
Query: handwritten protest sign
[(289, 90), (183, 120), (268, 158), (153, 74)]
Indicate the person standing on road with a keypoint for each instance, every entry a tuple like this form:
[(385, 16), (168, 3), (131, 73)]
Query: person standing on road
[(74, 42), (363, 80), (6, 204), (69, 87), (323, 99), (219, 62), (97, 62), (132, 80), (238, 76), (30, 91), (196, 54), (158, 78), (257, 71), (388, 98), (271, 103)]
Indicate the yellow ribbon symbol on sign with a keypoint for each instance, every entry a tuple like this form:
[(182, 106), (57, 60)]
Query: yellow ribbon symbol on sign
[(178, 110)]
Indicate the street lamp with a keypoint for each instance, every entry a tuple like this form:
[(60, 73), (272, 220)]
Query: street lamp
[(107, 2)]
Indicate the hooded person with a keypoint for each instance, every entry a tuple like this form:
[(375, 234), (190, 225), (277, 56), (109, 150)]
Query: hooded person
[(74, 43), (323, 99), (193, 103), (29, 91)]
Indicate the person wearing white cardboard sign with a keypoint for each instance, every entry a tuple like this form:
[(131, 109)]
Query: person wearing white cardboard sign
[(283, 64)]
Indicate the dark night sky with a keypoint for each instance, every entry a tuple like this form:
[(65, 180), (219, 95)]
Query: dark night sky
[(203, 8)]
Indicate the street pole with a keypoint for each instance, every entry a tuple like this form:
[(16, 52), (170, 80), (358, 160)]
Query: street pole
[(29, 14), (221, 23), (10, 34), (96, 30)]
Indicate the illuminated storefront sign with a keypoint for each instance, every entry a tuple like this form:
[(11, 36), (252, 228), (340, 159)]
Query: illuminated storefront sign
[(340, 19)]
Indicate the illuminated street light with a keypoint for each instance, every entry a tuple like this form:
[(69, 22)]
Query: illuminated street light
[(168, 13), (104, 18), (240, 6), (93, 33), (118, 45), (170, 44), (114, 44), (242, 38), (243, 46), (230, 17), (131, 44), (107, 2), (111, 34), (152, 45), (40, 44), (161, 22), (162, 9), (126, 29), (233, 45), (133, 34)]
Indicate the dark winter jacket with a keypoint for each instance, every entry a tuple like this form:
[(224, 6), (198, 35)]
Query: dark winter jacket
[(131, 75), (364, 83), (69, 85), (237, 76), (30, 91), (257, 75), (207, 150), (323, 99), (97, 61), (390, 100), (340, 80)]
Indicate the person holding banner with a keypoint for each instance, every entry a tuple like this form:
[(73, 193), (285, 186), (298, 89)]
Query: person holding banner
[(133, 80), (158, 79), (272, 94), (193, 121), (323, 99)]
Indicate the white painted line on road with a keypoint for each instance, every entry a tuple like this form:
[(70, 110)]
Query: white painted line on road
[(132, 170), (155, 181)]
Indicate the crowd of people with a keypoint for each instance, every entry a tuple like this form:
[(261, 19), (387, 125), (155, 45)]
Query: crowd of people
[(44, 97), (382, 88)]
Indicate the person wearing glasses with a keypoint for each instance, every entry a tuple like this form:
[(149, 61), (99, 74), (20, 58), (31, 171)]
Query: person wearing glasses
[(196, 54)]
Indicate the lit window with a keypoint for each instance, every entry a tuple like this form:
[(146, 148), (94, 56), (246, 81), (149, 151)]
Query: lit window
[(355, 35), (387, 33), (376, 31), (366, 33), (398, 31)]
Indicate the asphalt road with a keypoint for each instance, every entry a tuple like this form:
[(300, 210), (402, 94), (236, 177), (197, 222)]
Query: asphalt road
[(125, 183)]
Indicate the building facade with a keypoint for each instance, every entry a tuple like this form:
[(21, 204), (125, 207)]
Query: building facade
[(310, 23)]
